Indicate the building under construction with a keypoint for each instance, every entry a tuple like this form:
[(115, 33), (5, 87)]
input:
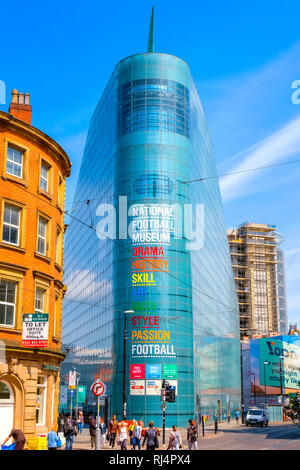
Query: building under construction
[(258, 267)]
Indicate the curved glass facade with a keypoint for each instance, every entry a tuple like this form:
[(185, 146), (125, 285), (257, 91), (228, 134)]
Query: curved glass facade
[(166, 258)]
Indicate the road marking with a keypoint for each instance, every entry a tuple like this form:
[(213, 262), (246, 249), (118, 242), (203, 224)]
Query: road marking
[(280, 445), (218, 443)]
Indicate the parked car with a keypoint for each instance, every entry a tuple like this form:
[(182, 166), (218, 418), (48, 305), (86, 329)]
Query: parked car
[(257, 417)]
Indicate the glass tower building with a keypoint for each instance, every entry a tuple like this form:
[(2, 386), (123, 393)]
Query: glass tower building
[(145, 240)]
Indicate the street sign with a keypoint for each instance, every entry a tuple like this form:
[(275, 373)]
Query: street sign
[(35, 330), (170, 371), (98, 388), (81, 394), (163, 406), (137, 387), (72, 380), (63, 400)]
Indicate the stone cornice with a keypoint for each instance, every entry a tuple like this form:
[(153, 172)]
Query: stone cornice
[(16, 267), (40, 137)]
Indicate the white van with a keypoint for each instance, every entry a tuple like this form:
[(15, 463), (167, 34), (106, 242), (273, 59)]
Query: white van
[(257, 416)]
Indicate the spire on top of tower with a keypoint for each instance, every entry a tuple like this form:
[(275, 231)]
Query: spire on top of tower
[(150, 40)]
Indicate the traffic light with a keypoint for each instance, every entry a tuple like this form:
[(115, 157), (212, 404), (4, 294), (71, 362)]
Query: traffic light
[(170, 394)]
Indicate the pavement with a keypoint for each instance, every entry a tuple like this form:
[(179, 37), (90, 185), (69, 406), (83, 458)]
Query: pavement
[(232, 436)]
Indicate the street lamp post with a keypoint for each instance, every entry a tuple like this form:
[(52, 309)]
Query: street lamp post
[(77, 375), (242, 384), (124, 362), (281, 384), (254, 392), (265, 364)]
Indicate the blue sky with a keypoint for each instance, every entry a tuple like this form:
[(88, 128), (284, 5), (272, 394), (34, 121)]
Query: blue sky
[(244, 58)]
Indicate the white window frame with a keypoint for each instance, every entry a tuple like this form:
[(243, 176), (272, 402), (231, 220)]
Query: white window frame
[(44, 388), (8, 224), (43, 178), (39, 310), (13, 162), (3, 302), (53, 397), (58, 246), (42, 237), (55, 314)]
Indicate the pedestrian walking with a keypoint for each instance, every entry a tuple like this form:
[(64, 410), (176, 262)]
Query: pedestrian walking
[(130, 431), (123, 435), (237, 416), (93, 427), (70, 431), (80, 422), (192, 435), (52, 440), (102, 426), (151, 438), (137, 435), (113, 428), (174, 439), (228, 416), (18, 437), (60, 422)]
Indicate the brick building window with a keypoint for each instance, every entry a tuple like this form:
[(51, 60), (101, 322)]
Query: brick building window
[(41, 399), (44, 179), (39, 300), (42, 236), (14, 162), (7, 302), (11, 224), (58, 256)]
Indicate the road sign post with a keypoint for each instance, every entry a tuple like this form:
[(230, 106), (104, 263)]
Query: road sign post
[(98, 441), (98, 388), (163, 407), (71, 401)]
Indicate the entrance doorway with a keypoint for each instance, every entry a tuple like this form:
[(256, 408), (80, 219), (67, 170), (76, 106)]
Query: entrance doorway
[(6, 409)]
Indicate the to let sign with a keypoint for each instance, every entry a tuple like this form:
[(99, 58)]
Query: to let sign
[(35, 330)]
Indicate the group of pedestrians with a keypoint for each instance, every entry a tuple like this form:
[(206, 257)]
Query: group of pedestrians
[(121, 432), (236, 415), (69, 426)]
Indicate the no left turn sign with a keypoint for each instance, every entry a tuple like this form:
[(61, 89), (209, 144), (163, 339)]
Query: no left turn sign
[(98, 389)]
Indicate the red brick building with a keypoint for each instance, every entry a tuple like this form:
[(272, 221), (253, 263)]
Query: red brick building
[(33, 171)]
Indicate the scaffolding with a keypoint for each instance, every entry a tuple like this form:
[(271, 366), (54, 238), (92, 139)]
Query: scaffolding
[(253, 252)]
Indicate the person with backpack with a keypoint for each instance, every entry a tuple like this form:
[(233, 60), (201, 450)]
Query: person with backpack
[(69, 431), (93, 427), (60, 422), (175, 439), (151, 438), (192, 435)]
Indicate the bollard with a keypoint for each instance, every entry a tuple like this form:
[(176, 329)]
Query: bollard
[(216, 426), (202, 420), (98, 442)]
